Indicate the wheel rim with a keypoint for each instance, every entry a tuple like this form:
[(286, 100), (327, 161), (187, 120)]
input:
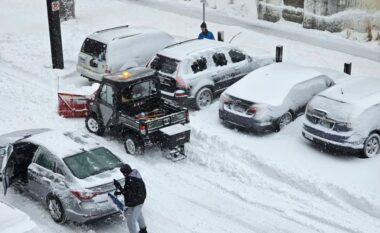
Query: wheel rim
[(372, 146), (285, 120), (93, 125), (204, 99), (130, 146), (55, 209)]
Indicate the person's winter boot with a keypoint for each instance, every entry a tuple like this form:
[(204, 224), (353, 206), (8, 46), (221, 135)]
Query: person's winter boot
[(143, 230)]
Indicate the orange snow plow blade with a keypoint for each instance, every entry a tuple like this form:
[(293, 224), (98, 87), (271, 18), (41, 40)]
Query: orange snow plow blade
[(73, 105)]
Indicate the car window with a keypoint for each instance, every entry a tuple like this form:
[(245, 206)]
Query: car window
[(2, 151), (93, 162), (236, 55), (219, 59), (138, 91), (94, 48), (59, 170), (107, 94), (199, 65), (45, 159), (164, 64)]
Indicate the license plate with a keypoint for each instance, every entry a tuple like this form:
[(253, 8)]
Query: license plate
[(308, 136)]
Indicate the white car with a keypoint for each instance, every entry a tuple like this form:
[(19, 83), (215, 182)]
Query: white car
[(116, 49), (346, 116), (193, 72), (13, 220), (271, 97)]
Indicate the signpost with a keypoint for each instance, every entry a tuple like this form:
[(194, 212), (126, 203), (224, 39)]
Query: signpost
[(204, 10), (53, 7)]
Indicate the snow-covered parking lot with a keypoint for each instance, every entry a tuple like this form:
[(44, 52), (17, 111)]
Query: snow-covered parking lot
[(231, 181)]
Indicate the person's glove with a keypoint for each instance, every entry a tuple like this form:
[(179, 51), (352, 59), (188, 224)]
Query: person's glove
[(116, 193), (117, 184)]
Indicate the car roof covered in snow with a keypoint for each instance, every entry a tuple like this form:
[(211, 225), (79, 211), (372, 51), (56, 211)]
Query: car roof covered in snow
[(64, 143), (123, 32), (129, 76), (359, 91), (185, 49), (19, 134), (271, 84)]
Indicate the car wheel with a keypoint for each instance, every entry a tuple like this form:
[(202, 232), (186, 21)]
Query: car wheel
[(372, 145), (284, 120), (203, 98), (133, 145), (56, 210), (94, 125)]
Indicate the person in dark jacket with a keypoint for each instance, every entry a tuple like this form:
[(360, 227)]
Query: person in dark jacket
[(134, 197), (205, 34)]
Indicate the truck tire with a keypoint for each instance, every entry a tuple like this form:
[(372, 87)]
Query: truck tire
[(133, 145), (93, 125), (203, 98)]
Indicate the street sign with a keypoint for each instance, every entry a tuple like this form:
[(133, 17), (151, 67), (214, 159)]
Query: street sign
[(55, 6)]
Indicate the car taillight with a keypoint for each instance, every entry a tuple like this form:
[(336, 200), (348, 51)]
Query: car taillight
[(142, 129), (252, 111), (108, 69), (84, 195), (225, 99), (181, 84), (180, 93), (187, 116)]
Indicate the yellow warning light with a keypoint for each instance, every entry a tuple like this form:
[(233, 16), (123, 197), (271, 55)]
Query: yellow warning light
[(125, 74)]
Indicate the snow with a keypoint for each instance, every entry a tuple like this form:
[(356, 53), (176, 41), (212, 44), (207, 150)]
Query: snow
[(12, 220), (259, 86), (232, 181), (174, 129)]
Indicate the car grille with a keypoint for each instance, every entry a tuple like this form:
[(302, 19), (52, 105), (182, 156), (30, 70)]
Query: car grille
[(321, 134), (323, 121)]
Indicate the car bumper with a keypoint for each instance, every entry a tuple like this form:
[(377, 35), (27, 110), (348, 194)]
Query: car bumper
[(246, 122), (335, 139), (180, 101), (89, 73), (89, 211)]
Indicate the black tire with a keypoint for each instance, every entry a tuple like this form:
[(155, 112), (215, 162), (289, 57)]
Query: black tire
[(56, 210), (133, 145), (284, 120), (203, 98), (371, 146), (94, 125)]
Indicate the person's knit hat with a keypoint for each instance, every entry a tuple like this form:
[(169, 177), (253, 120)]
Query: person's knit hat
[(125, 169), (203, 25)]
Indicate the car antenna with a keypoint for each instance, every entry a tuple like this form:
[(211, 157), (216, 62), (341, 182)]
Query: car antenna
[(341, 91), (235, 37)]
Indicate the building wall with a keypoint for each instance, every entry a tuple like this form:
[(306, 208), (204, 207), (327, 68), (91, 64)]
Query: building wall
[(330, 15)]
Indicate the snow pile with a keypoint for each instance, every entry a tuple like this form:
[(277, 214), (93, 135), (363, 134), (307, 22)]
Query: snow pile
[(13, 220)]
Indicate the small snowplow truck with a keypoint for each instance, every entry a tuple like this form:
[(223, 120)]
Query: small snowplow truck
[(129, 104)]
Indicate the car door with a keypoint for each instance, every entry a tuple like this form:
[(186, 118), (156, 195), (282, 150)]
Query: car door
[(241, 64), (221, 73), (40, 173), (106, 104), (7, 168)]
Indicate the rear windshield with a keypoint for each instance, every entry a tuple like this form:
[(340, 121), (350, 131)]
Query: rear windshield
[(93, 48), (93, 162), (164, 64)]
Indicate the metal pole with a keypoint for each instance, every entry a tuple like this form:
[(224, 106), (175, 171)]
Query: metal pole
[(347, 68), (279, 53), (221, 36), (53, 7), (204, 10)]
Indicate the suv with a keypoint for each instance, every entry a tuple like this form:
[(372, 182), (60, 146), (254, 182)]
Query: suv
[(192, 72), (115, 49), (130, 105), (346, 116)]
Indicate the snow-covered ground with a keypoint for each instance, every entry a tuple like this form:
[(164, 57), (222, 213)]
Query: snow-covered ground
[(13, 220), (232, 181)]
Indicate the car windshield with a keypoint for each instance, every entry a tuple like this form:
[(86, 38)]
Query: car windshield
[(93, 162), (164, 64)]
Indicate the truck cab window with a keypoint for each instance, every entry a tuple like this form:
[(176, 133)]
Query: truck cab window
[(219, 59), (107, 94)]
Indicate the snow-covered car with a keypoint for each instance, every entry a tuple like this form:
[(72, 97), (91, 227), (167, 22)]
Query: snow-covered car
[(192, 72), (13, 220), (271, 97), (346, 116), (69, 172), (116, 49)]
